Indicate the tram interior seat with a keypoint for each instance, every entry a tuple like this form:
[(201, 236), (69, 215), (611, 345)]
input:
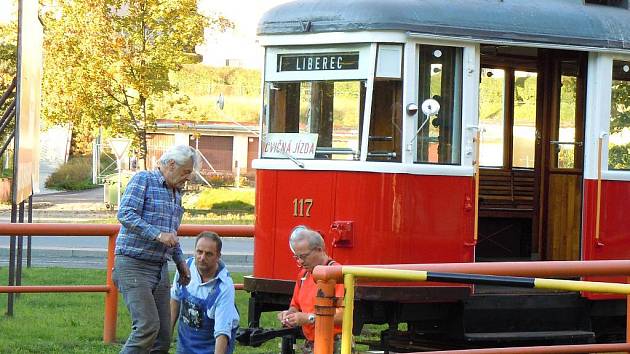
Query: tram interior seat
[(506, 193), (506, 213)]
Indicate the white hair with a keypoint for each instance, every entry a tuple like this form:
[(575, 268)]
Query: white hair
[(181, 154), (302, 232)]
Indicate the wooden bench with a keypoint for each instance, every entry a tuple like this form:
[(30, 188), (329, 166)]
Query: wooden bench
[(506, 193)]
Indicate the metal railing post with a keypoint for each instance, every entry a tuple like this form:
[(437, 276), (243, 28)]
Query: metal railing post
[(346, 333), (325, 307), (111, 298)]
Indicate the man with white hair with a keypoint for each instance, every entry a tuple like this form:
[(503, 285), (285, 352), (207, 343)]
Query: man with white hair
[(150, 212), (309, 251)]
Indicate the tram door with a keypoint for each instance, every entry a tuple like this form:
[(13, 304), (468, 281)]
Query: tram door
[(562, 147), (508, 189), (531, 118)]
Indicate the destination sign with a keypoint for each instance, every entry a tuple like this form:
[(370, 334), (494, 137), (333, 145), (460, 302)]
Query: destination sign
[(291, 145), (318, 62)]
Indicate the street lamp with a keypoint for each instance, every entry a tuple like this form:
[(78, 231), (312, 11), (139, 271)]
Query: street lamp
[(119, 145)]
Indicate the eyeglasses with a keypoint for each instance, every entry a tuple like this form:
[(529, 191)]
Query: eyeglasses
[(302, 257)]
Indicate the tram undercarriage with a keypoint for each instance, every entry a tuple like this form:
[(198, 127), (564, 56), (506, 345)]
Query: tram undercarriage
[(449, 318)]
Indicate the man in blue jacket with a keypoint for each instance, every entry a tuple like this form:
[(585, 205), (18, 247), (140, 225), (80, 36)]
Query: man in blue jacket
[(207, 314)]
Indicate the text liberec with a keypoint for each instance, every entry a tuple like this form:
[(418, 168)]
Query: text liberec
[(313, 63)]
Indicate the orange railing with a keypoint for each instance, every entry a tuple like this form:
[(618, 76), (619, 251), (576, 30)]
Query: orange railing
[(111, 231)]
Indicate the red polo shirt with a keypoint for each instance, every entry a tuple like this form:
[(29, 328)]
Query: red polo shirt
[(303, 299)]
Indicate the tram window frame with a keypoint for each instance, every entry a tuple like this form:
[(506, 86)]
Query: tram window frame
[(448, 122), (620, 73), (566, 152), (386, 125), (298, 112)]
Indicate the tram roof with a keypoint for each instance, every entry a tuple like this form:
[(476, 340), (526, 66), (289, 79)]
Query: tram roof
[(565, 22)]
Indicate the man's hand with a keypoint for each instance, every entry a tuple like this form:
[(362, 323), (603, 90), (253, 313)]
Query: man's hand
[(184, 273), (293, 319), (169, 239)]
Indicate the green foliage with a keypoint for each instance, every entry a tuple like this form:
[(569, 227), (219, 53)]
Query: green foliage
[(110, 70), (8, 66), (198, 88), (8, 53), (619, 157), (76, 174), (620, 110)]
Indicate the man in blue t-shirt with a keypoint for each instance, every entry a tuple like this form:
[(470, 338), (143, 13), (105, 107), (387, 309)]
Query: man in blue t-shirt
[(207, 314)]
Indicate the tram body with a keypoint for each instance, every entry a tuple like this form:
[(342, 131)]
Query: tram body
[(523, 160)]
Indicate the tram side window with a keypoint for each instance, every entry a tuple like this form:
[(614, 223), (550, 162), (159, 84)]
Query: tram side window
[(619, 140), (492, 116), (439, 136), (330, 109), (386, 122)]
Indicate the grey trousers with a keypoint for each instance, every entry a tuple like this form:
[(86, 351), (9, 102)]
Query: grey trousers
[(145, 287)]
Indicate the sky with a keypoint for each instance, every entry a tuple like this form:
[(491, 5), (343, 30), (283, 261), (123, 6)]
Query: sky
[(239, 44), (5, 10)]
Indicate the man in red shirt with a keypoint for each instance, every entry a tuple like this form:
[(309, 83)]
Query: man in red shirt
[(309, 251)]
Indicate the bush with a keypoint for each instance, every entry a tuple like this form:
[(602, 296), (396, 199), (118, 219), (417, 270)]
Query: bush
[(76, 174), (218, 179)]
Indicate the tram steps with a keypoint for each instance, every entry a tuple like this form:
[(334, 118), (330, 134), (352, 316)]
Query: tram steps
[(543, 317), (545, 336)]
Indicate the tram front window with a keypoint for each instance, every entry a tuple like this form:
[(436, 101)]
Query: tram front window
[(439, 136), (619, 141), (329, 109)]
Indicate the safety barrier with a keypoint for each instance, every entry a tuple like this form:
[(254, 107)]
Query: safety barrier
[(111, 231), (499, 273)]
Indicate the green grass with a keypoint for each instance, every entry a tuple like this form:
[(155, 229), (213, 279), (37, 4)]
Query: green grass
[(208, 198), (73, 323)]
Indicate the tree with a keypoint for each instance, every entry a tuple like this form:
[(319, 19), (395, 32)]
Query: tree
[(108, 61), (8, 69), (8, 53)]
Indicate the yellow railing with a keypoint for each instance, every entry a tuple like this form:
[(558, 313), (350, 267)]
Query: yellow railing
[(350, 274)]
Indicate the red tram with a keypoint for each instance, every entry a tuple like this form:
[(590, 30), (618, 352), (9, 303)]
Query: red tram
[(448, 131)]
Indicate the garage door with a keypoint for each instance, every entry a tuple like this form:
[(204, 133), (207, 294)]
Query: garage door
[(218, 151)]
